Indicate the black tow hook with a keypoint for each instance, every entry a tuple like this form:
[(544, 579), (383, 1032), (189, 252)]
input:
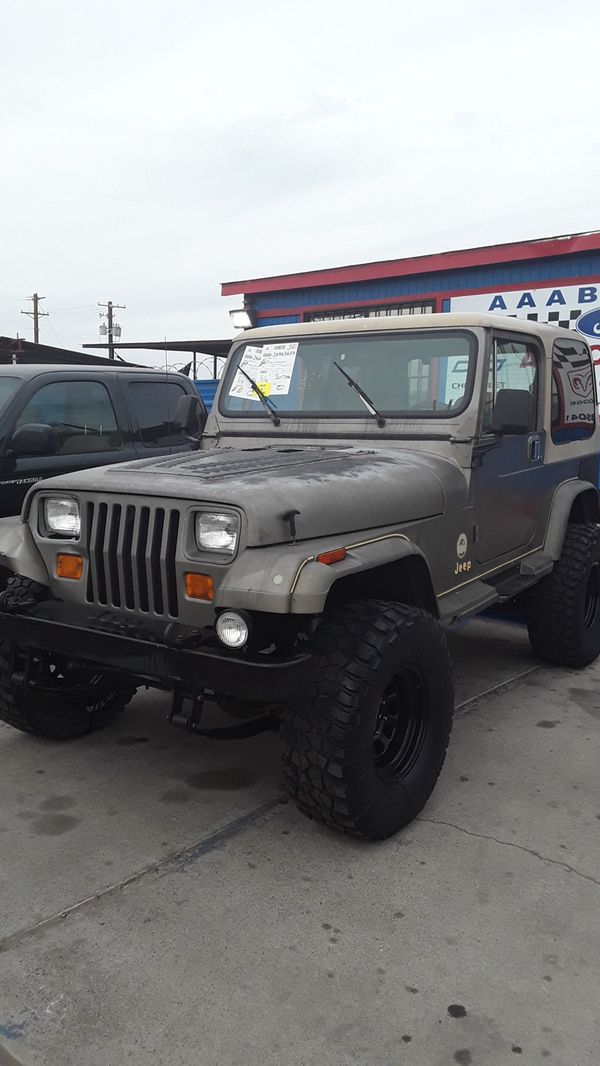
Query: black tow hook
[(186, 710), (186, 713)]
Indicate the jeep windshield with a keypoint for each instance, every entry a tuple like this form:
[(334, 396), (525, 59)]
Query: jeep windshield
[(7, 387), (420, 374)]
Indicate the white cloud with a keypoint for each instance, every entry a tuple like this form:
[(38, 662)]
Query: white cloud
[(152, 151)]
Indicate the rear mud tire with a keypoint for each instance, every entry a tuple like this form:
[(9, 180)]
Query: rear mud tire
[(363, 750), (563, 610), (65, 701), (57, 716)]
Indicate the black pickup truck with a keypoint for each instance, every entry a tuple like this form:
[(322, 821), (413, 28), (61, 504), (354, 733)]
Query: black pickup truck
[(57, 419)]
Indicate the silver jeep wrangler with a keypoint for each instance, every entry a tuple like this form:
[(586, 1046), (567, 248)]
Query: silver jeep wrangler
[(359, 487)]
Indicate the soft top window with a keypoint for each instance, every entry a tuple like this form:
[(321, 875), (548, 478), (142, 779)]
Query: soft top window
[(573, 397)]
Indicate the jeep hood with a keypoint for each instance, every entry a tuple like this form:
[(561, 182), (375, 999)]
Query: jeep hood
[(332, 489)]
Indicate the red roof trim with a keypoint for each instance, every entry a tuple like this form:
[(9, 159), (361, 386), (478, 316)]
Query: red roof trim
[(421, 264)]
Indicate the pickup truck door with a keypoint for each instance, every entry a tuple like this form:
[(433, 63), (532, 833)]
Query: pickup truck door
[(152, 404), (90, 423)]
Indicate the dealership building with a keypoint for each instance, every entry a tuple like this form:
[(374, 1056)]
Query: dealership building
[(555, 279)]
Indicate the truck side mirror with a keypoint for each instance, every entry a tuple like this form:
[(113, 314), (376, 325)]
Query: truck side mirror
[(190, 417), (512, 411), (34, 439)]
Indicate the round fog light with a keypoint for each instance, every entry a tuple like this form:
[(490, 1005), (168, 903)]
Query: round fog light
[(232, 629)]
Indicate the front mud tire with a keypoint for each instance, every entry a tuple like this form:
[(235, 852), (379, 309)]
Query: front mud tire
[(363, 750), (563, 610)]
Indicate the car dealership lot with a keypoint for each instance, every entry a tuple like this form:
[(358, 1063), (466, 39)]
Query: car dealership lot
[(160, 901)]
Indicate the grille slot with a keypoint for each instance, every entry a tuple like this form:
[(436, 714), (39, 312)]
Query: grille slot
[(132, 551)]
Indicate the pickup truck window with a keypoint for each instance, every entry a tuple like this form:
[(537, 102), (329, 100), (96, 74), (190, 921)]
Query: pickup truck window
[(7, 387), (153, 404), (420, 374), (81, 412)]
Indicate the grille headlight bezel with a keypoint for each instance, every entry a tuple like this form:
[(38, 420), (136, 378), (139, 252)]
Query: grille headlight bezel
[(61, 517), (217, 532)]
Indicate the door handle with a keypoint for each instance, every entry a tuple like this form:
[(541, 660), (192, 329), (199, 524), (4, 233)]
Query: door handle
[(535, 449)]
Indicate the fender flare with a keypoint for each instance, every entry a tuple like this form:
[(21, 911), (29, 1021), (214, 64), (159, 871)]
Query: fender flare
[(314, 580), (560, 512), (18, 552)]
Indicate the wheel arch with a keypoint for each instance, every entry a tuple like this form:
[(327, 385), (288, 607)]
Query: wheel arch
[(406, 580), (389, 568), (574, 501)]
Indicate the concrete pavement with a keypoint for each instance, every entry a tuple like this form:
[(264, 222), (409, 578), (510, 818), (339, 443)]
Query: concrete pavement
[(160, 903)]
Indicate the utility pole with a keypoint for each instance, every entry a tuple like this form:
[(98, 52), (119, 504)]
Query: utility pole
[(36, 314), (112, 328)]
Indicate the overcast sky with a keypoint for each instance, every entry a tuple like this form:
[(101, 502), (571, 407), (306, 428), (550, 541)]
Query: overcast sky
[(152, 150)]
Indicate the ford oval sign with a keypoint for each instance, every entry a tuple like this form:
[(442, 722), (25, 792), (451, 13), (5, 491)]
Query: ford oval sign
[(589, 324)]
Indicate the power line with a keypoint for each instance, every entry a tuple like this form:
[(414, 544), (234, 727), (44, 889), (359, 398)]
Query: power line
[(36, 314)]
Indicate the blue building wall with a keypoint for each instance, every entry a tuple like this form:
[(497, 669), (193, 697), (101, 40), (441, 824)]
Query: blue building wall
[(503, 275)]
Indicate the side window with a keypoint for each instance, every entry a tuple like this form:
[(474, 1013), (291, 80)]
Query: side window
[(81, 412), (511, 394), (573, 407), (154, 404)]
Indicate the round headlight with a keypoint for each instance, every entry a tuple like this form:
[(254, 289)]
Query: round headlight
[(232, 629), (62, 516), (217, 532)]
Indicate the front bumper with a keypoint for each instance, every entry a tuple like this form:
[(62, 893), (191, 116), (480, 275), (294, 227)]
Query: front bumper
[(158, 654)]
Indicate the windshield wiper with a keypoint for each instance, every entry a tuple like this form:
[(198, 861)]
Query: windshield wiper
[(268, 404), (362, 396)]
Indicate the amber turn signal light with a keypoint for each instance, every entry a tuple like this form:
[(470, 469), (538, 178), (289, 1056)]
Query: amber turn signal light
[(69, 566), (199, 587), (334, 556)]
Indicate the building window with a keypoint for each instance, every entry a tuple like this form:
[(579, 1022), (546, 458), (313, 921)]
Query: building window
[(384, 311)]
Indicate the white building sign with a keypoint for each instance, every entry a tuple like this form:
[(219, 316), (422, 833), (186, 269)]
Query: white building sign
[(569, 306), (560, 306)]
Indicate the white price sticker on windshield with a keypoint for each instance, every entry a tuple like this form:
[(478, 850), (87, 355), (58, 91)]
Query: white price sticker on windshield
[(251, 362), (271, 367), (279, 361)]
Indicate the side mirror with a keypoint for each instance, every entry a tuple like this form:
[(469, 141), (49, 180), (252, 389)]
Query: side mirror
[(513, 412), (34, 439), (190, 417)]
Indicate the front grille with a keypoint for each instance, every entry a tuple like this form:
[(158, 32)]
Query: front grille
[(131, 552)]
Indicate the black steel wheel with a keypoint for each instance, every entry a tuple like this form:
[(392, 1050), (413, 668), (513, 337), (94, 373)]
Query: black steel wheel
[(363, 750), (401, 724), (563, 610)]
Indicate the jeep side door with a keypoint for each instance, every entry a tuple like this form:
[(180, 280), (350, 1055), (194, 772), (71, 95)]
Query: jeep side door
[(509, 478), (90, 427)]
